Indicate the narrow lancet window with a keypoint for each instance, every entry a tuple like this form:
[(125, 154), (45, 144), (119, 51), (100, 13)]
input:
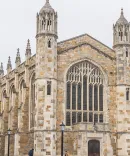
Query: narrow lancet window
[(48, 87), (126, 52), (127, 94), (49, 44)]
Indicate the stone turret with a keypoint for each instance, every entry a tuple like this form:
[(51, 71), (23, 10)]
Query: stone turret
[(121, 45), (46, 79), (28, 50), (9, 65), (121, 31), (18, 58)]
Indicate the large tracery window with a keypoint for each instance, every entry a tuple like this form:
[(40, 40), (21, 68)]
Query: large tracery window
[(84, 94)]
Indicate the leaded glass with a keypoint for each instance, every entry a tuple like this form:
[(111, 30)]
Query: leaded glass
[(68, 95), (95, 97), (79, 96), (101, 98), (90, 97), (68, 119), (73, 117), (74, 96), (84, 93)]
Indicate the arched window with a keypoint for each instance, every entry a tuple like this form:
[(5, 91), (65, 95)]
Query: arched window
[(120, 34), (48, 87), (84, 93), (49, 43), (127, 52), (127, 94), (32, 104)]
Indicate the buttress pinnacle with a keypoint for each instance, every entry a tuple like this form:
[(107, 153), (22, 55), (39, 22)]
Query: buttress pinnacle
[(9, 65), (18, 58), (28, 50)]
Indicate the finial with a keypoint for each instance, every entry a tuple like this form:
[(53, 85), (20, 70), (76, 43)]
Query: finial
[(47, 1), (9, 65), (18, 59), (28, 44), (28, 50), (122, 13)]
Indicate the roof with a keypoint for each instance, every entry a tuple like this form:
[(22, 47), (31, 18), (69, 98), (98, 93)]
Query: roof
[(47, 8), (85, 39), (122, 19)]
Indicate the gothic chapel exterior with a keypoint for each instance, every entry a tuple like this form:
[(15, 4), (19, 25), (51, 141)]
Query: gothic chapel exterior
[(79, 81)]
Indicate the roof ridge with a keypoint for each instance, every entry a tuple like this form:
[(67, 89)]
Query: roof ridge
[(85, 35)]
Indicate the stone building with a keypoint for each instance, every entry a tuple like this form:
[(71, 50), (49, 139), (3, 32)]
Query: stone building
[(79, 81)]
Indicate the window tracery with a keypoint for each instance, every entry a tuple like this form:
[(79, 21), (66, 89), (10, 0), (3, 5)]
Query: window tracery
[(84, 94)]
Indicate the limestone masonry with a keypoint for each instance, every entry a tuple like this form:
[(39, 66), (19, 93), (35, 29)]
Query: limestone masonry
[(79, 81)]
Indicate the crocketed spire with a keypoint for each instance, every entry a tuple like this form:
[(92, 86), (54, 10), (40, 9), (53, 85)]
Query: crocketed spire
[(28, 50), (9, 65), (122, 19), (1, 69), (47, 8), (18, 58)]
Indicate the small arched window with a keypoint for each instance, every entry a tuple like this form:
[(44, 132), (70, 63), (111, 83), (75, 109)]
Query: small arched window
[(49, 43), (48, 87), (127, 55), (127, 94)]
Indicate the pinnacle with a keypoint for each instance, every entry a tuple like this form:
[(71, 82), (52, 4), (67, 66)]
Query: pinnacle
[(18, 53), (18, 59), (9, 63), (28, 44)]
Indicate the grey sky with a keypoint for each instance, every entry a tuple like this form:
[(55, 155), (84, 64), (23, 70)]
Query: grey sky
[(75, 17)]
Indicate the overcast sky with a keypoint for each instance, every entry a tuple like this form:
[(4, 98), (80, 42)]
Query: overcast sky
[(75, 17)]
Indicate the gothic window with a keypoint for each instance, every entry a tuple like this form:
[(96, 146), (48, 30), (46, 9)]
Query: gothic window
[(127, 94), (49, 43), (84, 93), (120, 34), (126, 52), (48, 87), (32, 101)]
